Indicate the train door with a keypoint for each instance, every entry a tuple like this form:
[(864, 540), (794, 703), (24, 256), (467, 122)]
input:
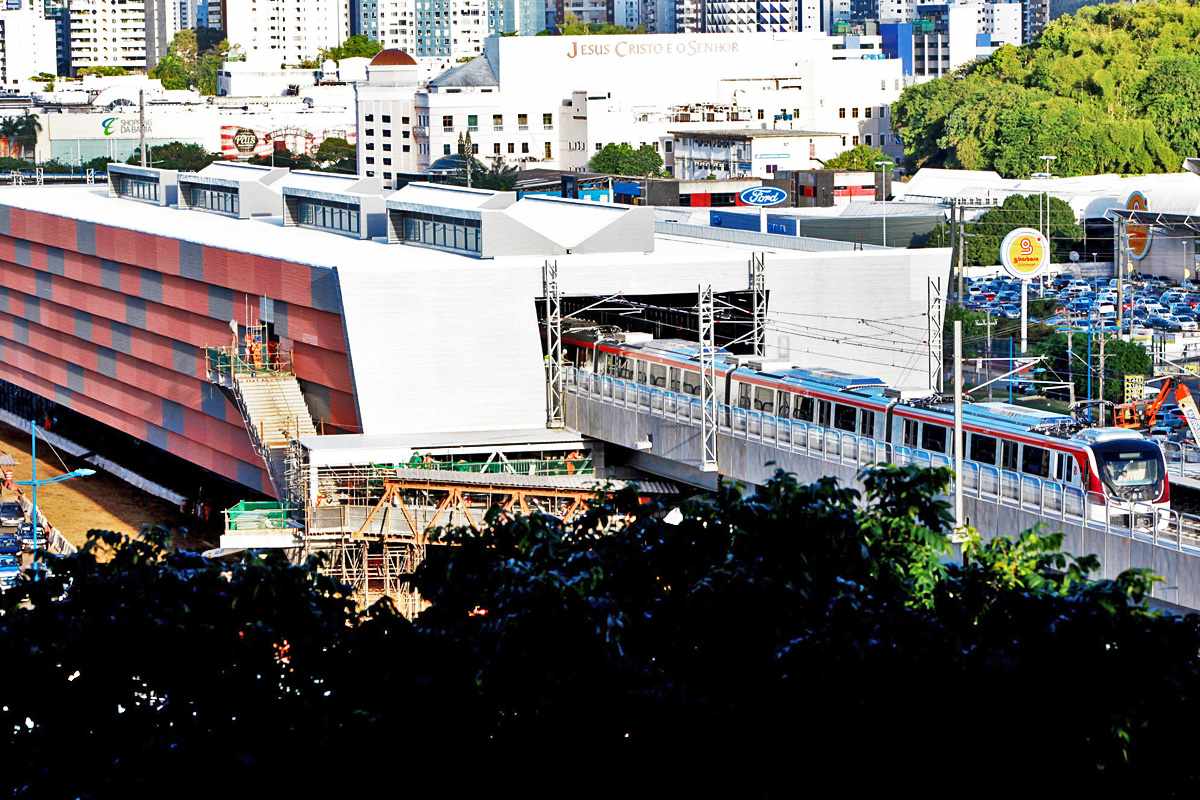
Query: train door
[(803, 407), (1065, 471), (824, 411), (866, 424), (910, 433), (783, 403), (641, 372), (743, 393), (1008, 456)]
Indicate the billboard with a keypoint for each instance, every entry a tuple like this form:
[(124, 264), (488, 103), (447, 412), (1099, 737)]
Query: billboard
[(240, 142), (1024, 253), (1137, 236)]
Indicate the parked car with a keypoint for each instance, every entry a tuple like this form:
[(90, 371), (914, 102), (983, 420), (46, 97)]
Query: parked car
[(11, 514), (1186, 323), (10, 571), (9, 544)]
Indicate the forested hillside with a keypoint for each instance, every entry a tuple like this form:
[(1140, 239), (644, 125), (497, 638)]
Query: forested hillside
[(1111, 88)]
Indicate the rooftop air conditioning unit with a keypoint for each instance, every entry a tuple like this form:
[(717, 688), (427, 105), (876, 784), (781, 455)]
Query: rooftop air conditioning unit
[(636, 337)]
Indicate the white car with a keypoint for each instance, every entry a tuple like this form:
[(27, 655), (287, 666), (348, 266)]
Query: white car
[(1185, 323)]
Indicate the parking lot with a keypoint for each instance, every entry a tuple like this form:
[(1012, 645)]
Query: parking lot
[(1150, 304)]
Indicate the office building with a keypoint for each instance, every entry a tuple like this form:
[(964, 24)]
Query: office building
[(288, 32), (28, 45)]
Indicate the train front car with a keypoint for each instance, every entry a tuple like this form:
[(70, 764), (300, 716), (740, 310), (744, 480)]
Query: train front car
[(1127, 483)]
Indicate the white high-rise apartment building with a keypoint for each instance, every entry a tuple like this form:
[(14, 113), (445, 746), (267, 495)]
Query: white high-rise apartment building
[(108, 33), (443, 29), (27, 44), (163, 20), (689, 16), (286, 31), (773, 16)]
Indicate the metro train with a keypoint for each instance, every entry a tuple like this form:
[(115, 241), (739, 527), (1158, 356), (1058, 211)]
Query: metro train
[(1123, 467)]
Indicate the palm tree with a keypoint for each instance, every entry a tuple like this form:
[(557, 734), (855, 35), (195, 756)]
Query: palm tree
[(10, 131), (28, 128)]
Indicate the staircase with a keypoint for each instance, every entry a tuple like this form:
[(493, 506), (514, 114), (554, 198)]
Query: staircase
[(272, 406)]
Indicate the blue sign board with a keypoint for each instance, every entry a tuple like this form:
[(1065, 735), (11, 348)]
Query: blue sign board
[(763, 196)]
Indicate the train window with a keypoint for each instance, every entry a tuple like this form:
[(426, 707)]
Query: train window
[(1008, 455), (658, 375), (823, 413), (910, 432), (627, 368), (844, 417), (933, 438), (675, 385), (866, 423), (785, 404), (743, 395), (983, 449), (803, 409), (1066, 468), (641, 372), (764, 400), (1035, 461), (691, 382)]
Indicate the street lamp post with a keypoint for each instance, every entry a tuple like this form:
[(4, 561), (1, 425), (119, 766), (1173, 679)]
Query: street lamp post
[(34, 483), (883, 166), (1046, 161)]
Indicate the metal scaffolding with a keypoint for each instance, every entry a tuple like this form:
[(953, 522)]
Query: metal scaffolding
[(758, 288), (708, 382), (554, 363), (933, 315)]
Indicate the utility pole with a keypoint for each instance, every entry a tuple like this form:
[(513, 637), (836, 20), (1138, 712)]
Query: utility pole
[(142, 126), (758, 288), (988, 326), (958, 427), (1103, 336), (1070, 359), (962, 246)]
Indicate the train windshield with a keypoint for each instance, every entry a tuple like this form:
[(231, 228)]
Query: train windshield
[(1131, 469)]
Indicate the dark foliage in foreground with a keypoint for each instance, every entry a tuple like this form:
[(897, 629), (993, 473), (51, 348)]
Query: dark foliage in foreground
[(801, 641)]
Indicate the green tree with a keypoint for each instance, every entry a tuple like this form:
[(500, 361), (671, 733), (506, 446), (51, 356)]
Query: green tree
[(860, 158), (104, 72), (1108, 89), (336, 152), (357, 46), (1120, 359), (774, 630), (499, 176), (183, 156), (173, 72), (622, 159), (984, 234)]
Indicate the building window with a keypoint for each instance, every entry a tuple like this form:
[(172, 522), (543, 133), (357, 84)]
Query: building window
[(370, 131), (446, 149), (433, 230), (386, 118), (497, 122), (336, 217), (841, 113), (547, 121), (370, 118), (405, 148), (387, 161), (867, 112), (403, 134), (522, 122), (761, 114), (472, 122), (370, 145), (219, 200), (447, 123), (475, 148), (868, 138), (511, 147), (524, 147), (370, 159), (404, 120), (546, 151), (387, 131), (855, 142), (386, 147), (387, 176), (136, 188), (854, 112), (496, 148), (370, 173), (843, 141), (599, 147), (668, 145)]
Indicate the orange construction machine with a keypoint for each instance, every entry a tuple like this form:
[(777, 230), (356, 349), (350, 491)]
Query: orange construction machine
[(1143, 414)]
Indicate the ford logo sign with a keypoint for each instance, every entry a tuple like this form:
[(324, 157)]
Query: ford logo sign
[(763, 196)]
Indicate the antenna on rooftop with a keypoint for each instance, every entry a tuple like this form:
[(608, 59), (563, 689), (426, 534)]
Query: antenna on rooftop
[(142, 126)]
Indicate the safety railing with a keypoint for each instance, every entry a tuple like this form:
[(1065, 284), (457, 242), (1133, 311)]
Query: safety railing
[(1044, 497), (256, 516), (513, 466), (228, 362)]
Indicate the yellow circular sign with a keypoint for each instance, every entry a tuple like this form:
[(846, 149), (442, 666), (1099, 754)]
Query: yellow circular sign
[(1024, 253)]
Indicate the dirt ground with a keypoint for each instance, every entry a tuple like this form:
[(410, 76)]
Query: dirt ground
[(101, 501)]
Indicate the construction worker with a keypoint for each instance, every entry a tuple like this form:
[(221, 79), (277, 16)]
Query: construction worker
[(272, 354), (572, 457)]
